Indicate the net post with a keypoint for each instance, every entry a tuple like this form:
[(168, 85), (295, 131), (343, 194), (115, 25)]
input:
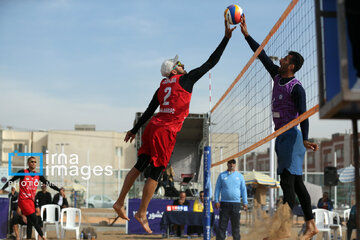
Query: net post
[(207, 186)]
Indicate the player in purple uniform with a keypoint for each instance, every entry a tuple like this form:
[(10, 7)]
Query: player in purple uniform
[(288, 102)]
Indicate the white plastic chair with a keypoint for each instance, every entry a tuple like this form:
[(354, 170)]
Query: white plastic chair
[(51, 210), (347, 215), (22, 232), (322, 221), (337, 226), (71, 214)]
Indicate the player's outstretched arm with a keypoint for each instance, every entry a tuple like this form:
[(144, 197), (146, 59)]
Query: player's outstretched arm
[(188, 80), (266, 61), (243, 27), (153, 105), (228, 30)]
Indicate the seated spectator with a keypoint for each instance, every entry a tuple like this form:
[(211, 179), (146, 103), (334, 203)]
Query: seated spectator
[(43, 197), (199, 204), (199, 207), (325, 202), (179, 229), (351, 224), (60, 199)]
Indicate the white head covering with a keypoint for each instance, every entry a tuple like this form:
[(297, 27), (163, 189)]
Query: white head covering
[(168, 65)]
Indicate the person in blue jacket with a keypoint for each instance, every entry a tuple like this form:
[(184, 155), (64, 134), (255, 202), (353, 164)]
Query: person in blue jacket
[(230, 188)]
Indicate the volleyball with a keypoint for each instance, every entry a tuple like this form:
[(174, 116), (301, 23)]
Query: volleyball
[(233, 14)]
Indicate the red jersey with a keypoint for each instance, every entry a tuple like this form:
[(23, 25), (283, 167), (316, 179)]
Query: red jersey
[(28, 186), (174, 104)]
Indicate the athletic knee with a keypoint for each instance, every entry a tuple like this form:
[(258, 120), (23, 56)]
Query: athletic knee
[(156, 172), (142, 162)]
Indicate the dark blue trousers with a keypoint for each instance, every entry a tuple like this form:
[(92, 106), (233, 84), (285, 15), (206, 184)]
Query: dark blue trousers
[(229, 211)]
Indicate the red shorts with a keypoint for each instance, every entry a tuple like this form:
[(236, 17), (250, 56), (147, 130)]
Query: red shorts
[(158, 142), (27, 206)]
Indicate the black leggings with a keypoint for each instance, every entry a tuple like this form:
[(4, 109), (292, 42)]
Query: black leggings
[(154, 172), (32, 220), (292, 184)]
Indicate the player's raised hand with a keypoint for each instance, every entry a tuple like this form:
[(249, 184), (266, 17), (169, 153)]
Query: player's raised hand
[(129, 136), (311, 145), (243, 26), (228, 30)]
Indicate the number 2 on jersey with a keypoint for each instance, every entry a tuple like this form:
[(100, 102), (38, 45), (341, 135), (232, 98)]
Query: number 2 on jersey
[(168, 93)]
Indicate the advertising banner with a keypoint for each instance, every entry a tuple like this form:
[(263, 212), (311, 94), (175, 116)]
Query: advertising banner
[(154, 214)]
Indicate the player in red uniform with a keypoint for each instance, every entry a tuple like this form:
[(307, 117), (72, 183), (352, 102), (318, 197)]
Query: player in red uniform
[(158, 141), (26, 200)]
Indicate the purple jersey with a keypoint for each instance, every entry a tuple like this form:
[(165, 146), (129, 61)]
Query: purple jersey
[(283, 107)]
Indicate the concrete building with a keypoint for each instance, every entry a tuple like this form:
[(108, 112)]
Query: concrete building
[(21, 141), (98, 160)]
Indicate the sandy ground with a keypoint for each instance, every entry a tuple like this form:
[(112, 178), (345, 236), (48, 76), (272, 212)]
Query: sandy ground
[(112, 235), (257, 229)]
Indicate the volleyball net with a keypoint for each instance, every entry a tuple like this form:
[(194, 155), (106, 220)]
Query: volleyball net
[(241, 121)]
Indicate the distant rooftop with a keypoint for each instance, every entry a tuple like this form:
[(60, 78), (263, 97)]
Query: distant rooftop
[(85, 127)]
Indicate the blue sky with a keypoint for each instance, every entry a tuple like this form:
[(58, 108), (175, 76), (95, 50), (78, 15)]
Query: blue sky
[(65, 62)]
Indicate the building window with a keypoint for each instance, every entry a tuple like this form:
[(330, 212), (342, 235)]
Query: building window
[(43, 149), (310, 159), (340, 153), (250, 167), (328, 157), (118, 151), (261, 167), (19, 147)]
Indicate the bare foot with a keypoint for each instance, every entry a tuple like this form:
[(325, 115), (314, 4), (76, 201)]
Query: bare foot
[(120, 210), (311, 230), (143, 221), (309, 234)]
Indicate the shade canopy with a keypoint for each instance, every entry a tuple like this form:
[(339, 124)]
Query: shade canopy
[(260, 178), (347, 175)]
